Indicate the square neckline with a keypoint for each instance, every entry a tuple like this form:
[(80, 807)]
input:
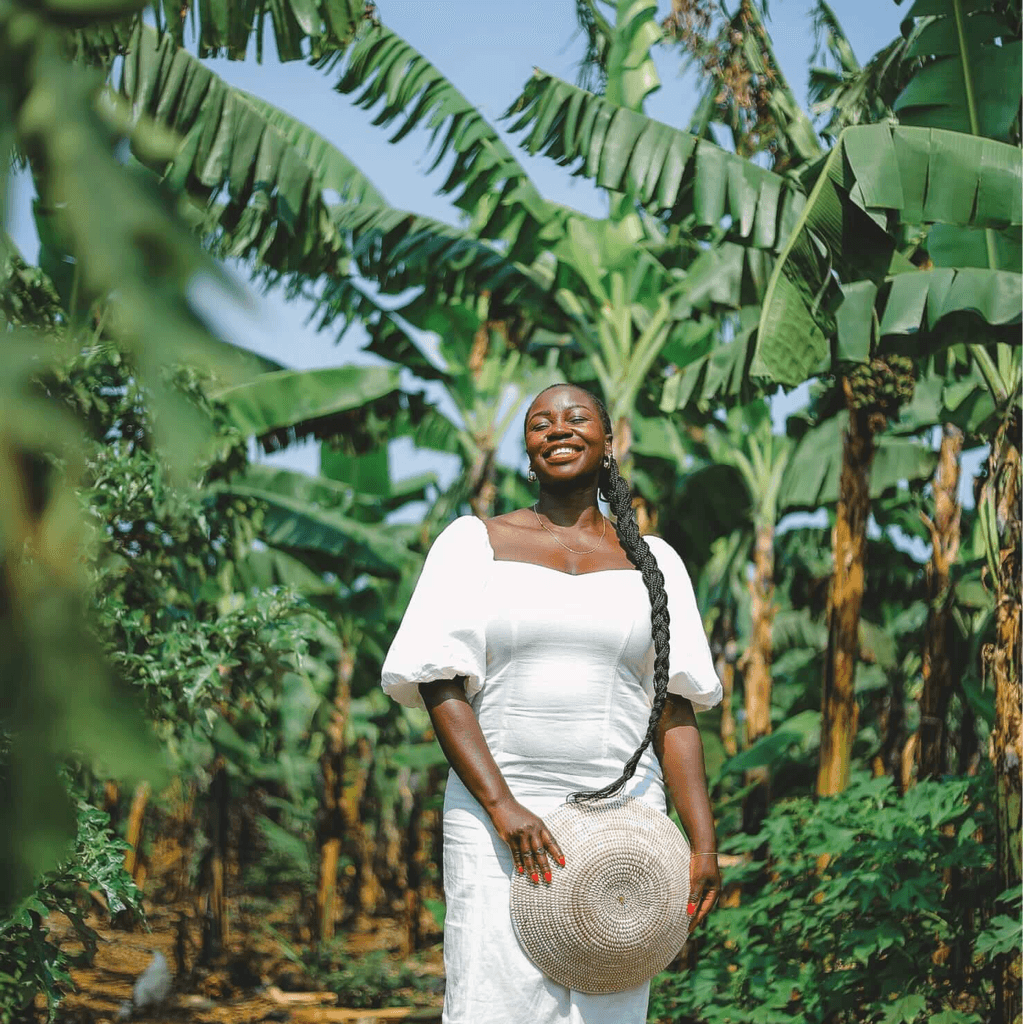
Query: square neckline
[(539, 565)]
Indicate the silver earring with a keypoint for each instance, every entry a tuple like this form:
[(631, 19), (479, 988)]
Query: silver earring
[(607, 462), (531, 476)]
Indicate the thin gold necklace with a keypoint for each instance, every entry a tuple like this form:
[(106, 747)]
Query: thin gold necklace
[(562, 543)]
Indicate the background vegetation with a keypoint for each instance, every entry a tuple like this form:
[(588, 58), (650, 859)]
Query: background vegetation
[(191, 641)]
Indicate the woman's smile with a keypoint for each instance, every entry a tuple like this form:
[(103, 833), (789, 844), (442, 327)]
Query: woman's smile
[(563, 454)]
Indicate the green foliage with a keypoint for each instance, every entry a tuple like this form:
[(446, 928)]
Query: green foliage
[(30, 961), (369, 981), (122, 232), (486, 180), (279, 214), (227, 26), (668, 170), (223, 604), (45, 638), (968, 54), (225, 670), (867, 911), (876, 178), (847, 93)]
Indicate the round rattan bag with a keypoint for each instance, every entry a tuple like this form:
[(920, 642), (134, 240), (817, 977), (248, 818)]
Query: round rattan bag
[(615, 915)]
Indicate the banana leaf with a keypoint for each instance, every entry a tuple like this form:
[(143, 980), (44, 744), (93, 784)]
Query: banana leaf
[(300, 514), (282, 406), (812, 476), (669, 171), (971, 57), (485, 180), (877, 177)]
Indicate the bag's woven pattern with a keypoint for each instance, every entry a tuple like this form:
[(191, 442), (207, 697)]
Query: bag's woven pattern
[(615, 915)]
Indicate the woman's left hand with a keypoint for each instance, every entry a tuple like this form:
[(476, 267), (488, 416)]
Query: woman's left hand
[(704, 888)]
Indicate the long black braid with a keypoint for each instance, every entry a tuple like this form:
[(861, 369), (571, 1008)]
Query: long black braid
[(615, 491)]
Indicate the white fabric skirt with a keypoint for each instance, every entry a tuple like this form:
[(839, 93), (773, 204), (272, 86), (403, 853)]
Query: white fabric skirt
[(490, 980)]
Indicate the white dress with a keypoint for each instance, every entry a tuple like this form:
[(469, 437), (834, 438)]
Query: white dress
[(560, 676)]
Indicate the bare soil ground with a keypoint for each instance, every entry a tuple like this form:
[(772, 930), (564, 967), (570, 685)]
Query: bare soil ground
[(253, 980)]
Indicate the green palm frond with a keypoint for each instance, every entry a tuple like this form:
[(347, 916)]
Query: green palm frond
[(399, 250), (598, 33), (670, 172), (916, 304), (279, 194), (272, 203), (876, 177), (308, 515), (224, 28), (720, 378), (485, 180), (334, 171), (281, 407), (968, 64), (813, 472), (846, 93), (972, 62), (631, 72)]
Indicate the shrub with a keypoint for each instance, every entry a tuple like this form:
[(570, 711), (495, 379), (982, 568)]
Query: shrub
[(30, 961), (867, 910)]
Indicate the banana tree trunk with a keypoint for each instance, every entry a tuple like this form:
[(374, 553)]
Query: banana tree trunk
[(358, 806), (891, 758), (839, 711), (112, 802), (1003, 663), (937, 662), (623, 445), (726, 673), (419, 832), (133, 835), (332, 823), (482, 480), (215, 925), (757, 673)]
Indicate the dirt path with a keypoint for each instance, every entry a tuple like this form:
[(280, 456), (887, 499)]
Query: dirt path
[(254, 980)]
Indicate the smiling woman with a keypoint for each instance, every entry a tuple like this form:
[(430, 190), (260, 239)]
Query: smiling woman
[(542, 688)]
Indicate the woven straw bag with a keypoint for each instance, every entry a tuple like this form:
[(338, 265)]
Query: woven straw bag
[(615, 915)]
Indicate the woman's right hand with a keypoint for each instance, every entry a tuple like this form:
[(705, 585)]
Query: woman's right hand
[(527, 838)]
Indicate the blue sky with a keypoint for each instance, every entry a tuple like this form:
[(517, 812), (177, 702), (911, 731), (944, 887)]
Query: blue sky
[(488, 49)]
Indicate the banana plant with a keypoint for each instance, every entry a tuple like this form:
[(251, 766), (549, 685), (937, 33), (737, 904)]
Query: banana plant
[(843, 290), (311, 213), (747, 442), (847, 92)]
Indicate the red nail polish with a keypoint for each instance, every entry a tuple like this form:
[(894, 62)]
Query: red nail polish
[(561, 861), (535, 877), (691, 909), (547, 876), (520, 869)]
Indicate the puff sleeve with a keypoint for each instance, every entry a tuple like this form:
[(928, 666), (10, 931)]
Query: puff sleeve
[(443, 632), (691, 672)]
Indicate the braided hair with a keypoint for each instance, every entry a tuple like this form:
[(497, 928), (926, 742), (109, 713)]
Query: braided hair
[(615, 491)]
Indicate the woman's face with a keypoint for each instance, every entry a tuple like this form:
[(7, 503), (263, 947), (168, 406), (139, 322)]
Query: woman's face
[(565, 437)]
